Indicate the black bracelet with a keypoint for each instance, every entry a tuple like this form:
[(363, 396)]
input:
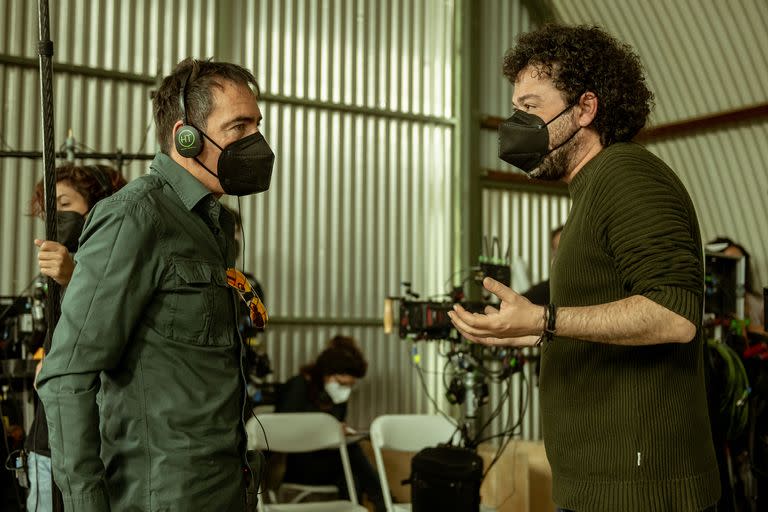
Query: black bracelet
[(551, 329), (543, 336)]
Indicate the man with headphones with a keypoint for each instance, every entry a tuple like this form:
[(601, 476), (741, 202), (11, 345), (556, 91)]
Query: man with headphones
[(149, 320)]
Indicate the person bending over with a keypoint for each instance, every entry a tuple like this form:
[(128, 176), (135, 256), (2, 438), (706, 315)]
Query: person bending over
[(325, 386)]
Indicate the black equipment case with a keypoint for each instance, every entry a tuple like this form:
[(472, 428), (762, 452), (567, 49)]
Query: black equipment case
[(446, 478)]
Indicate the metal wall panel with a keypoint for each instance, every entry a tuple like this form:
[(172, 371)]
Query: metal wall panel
[(724, 172), (358, 109), (701, 56), (501, 21), (145, 38), (523, 221), (395, 56)]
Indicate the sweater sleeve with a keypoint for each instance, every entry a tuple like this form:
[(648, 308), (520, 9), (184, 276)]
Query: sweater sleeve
[(648, 225)]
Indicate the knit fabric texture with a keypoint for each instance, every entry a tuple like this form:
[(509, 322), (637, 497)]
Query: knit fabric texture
[(626, 428)]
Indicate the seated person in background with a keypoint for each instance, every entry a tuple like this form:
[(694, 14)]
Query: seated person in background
[(539, 293), (325, 386), (753, 299)]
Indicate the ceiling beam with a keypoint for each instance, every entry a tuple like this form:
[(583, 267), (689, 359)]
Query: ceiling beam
[(714, 121)]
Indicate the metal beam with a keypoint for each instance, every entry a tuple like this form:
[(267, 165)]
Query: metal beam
[(72, 69), (79, 156), (327, 321), (354, 109), (467, 197), (693, 125)]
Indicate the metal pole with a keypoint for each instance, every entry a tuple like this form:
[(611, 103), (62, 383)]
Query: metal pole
[(45, 50)]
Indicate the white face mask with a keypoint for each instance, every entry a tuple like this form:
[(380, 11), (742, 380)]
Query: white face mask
[(338, 393)]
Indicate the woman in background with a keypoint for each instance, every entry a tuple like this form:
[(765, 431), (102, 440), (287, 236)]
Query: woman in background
[(325, 386), (78, 189)]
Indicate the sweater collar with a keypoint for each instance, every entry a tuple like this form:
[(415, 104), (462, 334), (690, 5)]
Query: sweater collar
[(582, 178)]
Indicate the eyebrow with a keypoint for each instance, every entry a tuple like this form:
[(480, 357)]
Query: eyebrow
[(527, 97), (241, 119)]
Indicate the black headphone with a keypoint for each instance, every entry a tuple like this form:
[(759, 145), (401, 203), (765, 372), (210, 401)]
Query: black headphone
[(101, 176), (188, 142)]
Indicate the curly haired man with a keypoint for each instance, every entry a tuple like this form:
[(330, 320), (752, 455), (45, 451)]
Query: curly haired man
[(623, 401)]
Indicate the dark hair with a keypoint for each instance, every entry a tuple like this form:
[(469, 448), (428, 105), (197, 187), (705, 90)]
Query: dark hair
[(341, 357), (201, 77), (87, 180), (583, 58)]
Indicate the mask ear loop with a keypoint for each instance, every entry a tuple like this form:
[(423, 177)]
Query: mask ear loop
[(566, 141)]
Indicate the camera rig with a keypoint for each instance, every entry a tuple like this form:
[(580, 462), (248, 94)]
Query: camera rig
[(469, 368)]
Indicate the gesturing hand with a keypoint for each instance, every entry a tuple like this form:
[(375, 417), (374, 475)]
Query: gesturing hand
[(55, 261), (517, 322)]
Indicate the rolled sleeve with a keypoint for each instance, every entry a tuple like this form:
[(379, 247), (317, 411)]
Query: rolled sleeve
[(116, 274)]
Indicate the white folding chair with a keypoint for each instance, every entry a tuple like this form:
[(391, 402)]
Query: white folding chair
[(408, 433), (303, 432)]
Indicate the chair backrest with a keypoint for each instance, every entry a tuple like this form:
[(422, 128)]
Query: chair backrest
[(406, 433), (296, 432), (411, 432)]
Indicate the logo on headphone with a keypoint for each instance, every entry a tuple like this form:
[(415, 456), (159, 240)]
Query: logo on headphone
[(186, 138)]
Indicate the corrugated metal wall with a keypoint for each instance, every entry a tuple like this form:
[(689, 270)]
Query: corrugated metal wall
[(359, 106), (357, 103), (725, 173), (135, 41), (501, 21), (703, 57)]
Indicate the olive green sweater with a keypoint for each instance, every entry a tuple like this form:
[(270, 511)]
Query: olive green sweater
[(626, 428)]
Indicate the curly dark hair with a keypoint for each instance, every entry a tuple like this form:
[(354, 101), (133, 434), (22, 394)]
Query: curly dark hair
[(586, 58), (201, 77), (93, 182)]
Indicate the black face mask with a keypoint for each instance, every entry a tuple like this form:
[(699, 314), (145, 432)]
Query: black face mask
[(245, 166), (524, 139), (69, 227)]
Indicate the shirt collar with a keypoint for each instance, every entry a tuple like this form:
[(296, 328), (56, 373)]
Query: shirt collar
[(187, 187)]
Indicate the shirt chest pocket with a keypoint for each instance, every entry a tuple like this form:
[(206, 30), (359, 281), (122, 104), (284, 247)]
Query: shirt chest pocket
[(203, 312)]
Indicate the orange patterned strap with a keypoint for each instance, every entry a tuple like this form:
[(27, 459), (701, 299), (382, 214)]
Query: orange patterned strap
[(239, 282)]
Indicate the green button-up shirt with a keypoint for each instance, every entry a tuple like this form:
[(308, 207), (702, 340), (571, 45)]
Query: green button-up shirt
[(149, 323)]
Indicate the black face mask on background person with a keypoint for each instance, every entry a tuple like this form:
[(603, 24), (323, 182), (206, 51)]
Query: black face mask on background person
[(245, 166), (69, 227), (524, 139)]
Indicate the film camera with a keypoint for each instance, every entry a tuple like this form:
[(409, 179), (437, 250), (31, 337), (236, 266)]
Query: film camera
[(428, 319)]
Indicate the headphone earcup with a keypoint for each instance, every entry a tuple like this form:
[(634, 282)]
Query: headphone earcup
[(188, 142)]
